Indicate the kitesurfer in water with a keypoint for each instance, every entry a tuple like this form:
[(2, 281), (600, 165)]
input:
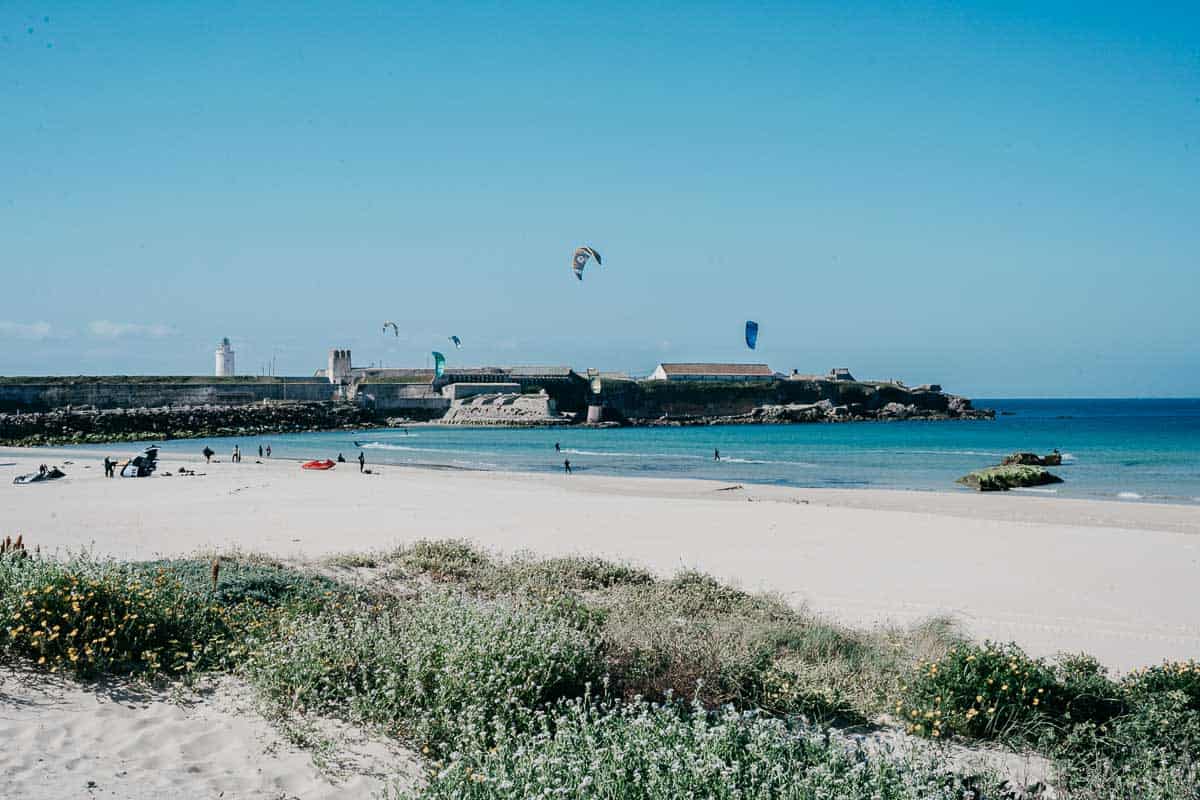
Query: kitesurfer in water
[(557, 448)]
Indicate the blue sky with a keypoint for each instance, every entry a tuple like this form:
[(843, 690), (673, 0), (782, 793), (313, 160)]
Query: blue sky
[(1002, 197)]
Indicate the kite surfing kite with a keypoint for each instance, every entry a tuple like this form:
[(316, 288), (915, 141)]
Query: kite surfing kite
[(457, 342), (582, 254), (439, 364), (395, 328), (751, 333)]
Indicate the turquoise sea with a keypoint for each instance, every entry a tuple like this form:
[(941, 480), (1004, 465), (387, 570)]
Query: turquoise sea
[(1137, 450)]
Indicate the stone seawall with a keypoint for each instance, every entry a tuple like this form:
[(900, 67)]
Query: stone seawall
[(649, 402), (87, 426), (34, 394)]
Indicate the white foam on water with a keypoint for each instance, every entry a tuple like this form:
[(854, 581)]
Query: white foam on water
[(410, 449), (735, 460), (1068, 457), (1129, 495), (576, 452), (1035, 489)]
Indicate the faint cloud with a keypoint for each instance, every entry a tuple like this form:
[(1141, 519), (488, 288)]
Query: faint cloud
[(106, 329), (29, 331)]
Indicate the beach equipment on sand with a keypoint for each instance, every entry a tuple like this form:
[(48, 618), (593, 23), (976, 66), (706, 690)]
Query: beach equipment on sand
[(323, 464), (457, 342), (439, 364), (52, 474), (580, 260), (395, 328), (142, 466), (751, 334)]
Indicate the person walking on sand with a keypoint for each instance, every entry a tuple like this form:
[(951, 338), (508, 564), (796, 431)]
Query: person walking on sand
[(237, 454), (567, 465), (268, 451), (208, 453), (362, 461)]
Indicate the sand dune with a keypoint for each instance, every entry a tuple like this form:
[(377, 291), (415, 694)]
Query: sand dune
[(64, 740)]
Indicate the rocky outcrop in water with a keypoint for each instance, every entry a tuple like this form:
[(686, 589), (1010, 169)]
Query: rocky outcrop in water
[(1005, 477), (88, 425)]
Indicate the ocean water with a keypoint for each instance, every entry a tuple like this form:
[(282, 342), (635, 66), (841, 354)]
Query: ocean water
[(1136, 450)]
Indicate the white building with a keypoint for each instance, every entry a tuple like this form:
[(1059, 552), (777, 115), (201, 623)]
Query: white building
[(712, 372), (224, 359)]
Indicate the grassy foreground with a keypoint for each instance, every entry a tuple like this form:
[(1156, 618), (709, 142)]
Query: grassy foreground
[(579, 677)]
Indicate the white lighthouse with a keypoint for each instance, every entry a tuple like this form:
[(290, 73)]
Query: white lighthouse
[(224, 359)]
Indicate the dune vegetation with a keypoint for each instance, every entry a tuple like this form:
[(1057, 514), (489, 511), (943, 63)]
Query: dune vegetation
[(520, 677)]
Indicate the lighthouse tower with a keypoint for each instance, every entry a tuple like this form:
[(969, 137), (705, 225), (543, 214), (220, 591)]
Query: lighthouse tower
[(224, 359)]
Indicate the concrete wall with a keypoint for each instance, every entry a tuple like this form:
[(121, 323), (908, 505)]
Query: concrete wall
[(461, 391), (38, 396)]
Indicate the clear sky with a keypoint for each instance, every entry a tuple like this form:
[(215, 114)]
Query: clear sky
[(1001, 197)]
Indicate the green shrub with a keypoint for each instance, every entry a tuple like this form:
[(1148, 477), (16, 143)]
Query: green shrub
[(443, 560), (1180, 676), (247, 582), (640, 750), (443, 670), (988, 692), (86, 618), (691, 637)]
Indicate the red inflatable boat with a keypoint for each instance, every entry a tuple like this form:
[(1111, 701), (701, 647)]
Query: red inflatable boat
[(326, 464)]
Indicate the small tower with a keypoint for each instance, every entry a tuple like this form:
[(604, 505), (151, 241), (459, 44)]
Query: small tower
[(224, 359), (339, 366)]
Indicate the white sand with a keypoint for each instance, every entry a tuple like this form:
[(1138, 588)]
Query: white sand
[(64, 740), (1114, 579), (1117, 580)]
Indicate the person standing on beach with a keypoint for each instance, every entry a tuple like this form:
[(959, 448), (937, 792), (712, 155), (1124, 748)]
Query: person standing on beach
[(108, 467), (268, 451), (208, 454), (557, 449), (567, 465), (716, 455), (362, 461), (260, 451)]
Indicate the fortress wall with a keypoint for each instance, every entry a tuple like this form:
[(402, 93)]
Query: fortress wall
[(43, 396), (655, 399)]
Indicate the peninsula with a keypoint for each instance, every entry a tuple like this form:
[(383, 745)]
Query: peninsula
[(92, 409)]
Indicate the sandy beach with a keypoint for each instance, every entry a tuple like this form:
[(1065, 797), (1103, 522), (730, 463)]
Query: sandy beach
[(1112, 579)]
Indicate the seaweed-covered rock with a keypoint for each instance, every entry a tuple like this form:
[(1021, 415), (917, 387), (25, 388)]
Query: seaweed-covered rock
[(1010, 476)]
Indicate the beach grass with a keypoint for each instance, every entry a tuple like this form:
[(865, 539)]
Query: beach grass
[(519, 676)]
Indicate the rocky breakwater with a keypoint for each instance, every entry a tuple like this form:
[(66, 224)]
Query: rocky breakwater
[(506, 409), (827, 411), (89, 425)]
